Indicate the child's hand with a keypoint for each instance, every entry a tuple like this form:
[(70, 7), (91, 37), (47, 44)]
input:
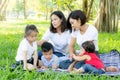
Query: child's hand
[(43, 67), (35, 67), (54, 66), (25, 67), (29, 67)]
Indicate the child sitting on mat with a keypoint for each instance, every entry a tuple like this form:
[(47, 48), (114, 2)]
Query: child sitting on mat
[(92, 62)]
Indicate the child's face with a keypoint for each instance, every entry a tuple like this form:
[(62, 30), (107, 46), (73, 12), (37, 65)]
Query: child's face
[(82, 51), (32, 36), (48, 55)]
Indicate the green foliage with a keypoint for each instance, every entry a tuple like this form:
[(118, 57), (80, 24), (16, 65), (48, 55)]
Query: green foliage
[(11, 34), (109, 41)]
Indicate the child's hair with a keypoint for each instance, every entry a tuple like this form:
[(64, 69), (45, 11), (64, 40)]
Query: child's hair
[(46, 46), (89, 46), (29, 29)]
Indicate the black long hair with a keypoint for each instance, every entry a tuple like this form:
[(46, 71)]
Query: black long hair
[(63, 24)]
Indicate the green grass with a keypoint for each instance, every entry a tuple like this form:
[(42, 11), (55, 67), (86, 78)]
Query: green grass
[(109, 41), (11, 34)]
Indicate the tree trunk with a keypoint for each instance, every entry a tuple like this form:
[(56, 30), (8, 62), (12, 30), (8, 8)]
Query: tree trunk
[(107, 19), (3, 5), (46, 10), (89, 9), (115, 14), (85, 6), (25, 9)]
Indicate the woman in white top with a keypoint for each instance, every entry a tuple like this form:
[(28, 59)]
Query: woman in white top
[(81, 32), (58, 34)]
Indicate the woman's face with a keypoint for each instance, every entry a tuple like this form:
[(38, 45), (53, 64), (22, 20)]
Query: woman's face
[(56, 21), (75, 23)]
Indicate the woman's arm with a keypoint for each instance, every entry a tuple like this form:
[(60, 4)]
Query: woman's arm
[(45, 37), (71, 46), (39, 43)]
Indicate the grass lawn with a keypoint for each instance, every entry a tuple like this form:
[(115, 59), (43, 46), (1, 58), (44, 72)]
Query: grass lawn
[(11, 34)]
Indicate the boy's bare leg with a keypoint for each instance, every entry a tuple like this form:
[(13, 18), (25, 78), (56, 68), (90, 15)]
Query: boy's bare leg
[(70, 68)]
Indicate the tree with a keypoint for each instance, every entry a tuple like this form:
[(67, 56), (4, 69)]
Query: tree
[(107, 19), (89, 9), (65, 4), (18, 7), (3, 5), (24, 9), (46, 9), (87, 6)]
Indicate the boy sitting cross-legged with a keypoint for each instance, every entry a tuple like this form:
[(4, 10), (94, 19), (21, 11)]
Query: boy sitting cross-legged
[(49, 60)]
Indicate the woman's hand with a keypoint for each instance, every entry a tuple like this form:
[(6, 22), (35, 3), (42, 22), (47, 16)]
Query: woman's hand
[(70, 57)]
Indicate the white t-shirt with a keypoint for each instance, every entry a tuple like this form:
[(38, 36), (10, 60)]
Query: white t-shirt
[(90, 34), (25, 46), (59, 42)]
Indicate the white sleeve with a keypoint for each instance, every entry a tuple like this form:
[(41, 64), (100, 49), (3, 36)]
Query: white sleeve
[(47, 35), (24, 45), (94, 35), (73, 34)]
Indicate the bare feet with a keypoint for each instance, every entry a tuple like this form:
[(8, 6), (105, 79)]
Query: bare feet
[(75, 71), (112, 69)]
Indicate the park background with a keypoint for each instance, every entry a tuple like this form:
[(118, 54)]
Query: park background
[(16, 14)]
